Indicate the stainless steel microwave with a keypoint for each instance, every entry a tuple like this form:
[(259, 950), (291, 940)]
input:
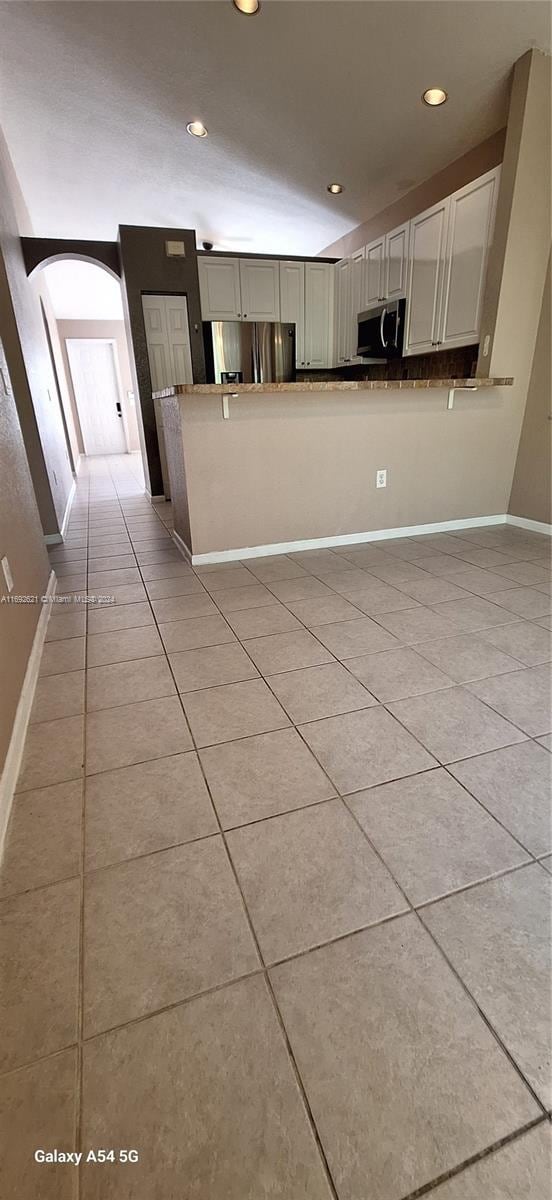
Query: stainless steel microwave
[(381, 330)]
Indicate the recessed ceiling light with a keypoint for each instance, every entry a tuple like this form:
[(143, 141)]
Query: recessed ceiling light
[(249, 7), (196, 128), (335, 188), (434, 97)]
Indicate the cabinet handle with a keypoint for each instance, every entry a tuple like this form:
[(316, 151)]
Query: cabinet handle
[(239, 314), (308, 364), (244, 316)]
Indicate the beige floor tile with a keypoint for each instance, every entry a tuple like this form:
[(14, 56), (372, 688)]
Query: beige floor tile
[(318, 692), (211, 666), (316, 558), (236, 710), (61, 656), (524, 602), (478, 581), (126, 593), (114, 562), (147, 557), (324, 610), (524, 697), (469, 616), (515, 784), (113, 578), (365, 748), (440, 564), (377, 597), (433, 836), (310, 876), (453, 724), (39, 972), (394, 674), (467, 656), (258, 622), (72, 567), (72, 582), (397, 571), (432, 590), (394, 1115), (179, 608), (525, 641), (261, 776), (287, 652), (123, 645), (53, 753), (349, 639), (170, 570), (254, 595), (544, 622), (275, 568), (498, 937), (37, 1111), (134, 733), (119, 616), (417, 624), (492, 560), (64, 554), (136, 810), (68, 625), (521, 1170), (210, 1097), (180, 928), (194, 632), (141, 679), (234, 576), (306, 587), (58, 696), (546, 741), (43, 838), (182, 585), (527, 574)]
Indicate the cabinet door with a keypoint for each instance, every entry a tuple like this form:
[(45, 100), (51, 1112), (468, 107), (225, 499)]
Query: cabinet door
[(159, 353), (178, 334), (260, 289), (426, 261), (292, 303), (219, 287), (343, 310), (470, 231), (396, 262), (374, 282), (318, 314)]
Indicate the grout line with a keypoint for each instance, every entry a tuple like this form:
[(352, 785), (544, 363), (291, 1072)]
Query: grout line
[(427, 1188)]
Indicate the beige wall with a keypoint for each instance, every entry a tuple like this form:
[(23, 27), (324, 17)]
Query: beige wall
[(21, 541), (29, 361), (532, 487), (101, 329), (470, 166), (293, 466)]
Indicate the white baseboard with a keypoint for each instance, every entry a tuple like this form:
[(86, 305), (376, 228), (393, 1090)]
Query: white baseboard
[(181, 545), (527, 523), (343, 539), (53, 539), (12, 764), (155, 499)]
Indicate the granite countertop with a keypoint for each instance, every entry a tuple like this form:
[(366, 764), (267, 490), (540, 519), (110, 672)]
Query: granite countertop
[(356, 385)]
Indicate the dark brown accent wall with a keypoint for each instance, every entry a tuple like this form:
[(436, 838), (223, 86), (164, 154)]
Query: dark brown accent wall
[(146, 269), (40, 251)]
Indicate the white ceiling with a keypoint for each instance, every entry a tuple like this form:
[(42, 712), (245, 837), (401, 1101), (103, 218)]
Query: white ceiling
[(80, 291), (95, 97)]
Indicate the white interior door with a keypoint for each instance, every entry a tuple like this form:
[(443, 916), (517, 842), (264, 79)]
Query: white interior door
[(97, 394), (168, 340)]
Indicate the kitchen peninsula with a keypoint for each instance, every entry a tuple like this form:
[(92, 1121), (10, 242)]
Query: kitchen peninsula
[(272, 468)]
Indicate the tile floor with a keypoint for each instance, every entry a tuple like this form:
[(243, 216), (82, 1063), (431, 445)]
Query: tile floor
[(275, 901)]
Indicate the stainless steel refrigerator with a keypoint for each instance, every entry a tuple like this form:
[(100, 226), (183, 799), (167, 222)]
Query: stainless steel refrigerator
[(249, 352)]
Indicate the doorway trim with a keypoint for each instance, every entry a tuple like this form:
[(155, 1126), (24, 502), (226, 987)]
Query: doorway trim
[(100, 341)]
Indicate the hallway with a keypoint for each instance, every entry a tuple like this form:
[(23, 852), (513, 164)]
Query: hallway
[(275, 900)]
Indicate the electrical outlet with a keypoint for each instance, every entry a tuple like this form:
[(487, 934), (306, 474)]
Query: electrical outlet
[(381, 478), (7, 574)]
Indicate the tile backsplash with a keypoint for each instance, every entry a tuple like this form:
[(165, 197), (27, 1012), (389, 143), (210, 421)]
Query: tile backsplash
[(440, 364)]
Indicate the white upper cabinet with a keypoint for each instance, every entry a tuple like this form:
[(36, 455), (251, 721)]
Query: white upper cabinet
[(239, 289), (318, 314), (374, 274), (427, 256), (470, 231), (343, 311), (292, 303), (219, 287), (260, 289), (396, 262)]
